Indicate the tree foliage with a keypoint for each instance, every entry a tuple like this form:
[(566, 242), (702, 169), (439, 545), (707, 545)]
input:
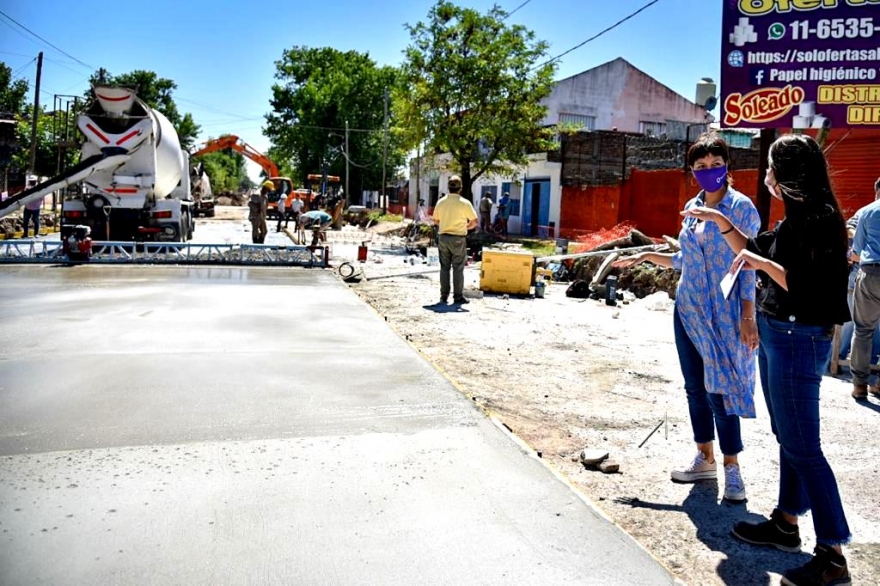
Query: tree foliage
[(15, 154), (13, 94), (473, 88), (317, 91), (12, 103), (227, 171), (157, 92)]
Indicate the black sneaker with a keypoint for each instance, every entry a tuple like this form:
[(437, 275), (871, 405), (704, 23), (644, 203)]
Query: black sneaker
[(460, 301), (827, 568), (443, 301), (777, 532)]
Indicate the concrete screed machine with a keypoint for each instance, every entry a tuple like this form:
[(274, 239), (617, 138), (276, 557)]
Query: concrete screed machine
[(135, 178)]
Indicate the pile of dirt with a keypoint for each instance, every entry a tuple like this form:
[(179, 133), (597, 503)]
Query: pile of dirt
[(12, 224), (231, 199), (646, 279)]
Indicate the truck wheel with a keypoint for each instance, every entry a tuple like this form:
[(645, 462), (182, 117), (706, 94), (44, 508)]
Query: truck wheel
[(211, 213)]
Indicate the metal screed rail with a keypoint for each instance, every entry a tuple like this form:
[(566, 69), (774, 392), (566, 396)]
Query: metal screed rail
[(24, 251)]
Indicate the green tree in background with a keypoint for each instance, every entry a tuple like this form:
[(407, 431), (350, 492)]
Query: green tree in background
[(226, 169), (15, 154), (318, 90), (46, 161), (473, 88), (13, 94), (157, 92), (12, 104), (282, 161)]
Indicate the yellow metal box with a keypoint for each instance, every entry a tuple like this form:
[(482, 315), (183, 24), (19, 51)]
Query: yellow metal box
[(505, 271)]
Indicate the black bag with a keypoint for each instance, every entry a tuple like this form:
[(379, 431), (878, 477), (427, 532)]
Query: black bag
[(579, 290)]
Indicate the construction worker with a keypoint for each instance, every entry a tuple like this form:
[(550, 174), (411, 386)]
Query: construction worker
[(282, 212), (455, 216), (318, 221), (296, 207), (259, 204)]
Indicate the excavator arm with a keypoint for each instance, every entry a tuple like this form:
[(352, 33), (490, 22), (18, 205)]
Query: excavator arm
[(235, 143)]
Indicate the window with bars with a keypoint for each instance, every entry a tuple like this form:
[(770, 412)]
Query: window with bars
[(652, 128), (578, 121)]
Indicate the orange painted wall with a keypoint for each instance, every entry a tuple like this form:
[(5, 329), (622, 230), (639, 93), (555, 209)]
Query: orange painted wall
[(652, 200), (588, 209)]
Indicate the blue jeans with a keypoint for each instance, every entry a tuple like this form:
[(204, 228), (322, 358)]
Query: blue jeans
[(706, 409), (792, 358)]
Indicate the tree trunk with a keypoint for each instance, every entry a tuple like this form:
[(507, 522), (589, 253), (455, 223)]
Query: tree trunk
[(466, 180)]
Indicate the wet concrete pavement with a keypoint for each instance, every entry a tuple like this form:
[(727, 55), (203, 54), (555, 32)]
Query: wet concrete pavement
[(260, 426)]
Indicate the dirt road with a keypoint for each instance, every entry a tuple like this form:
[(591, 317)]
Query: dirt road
[(564, 374)]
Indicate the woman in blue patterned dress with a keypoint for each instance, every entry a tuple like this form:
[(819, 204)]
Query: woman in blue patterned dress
[(716, 337), (803, 271)]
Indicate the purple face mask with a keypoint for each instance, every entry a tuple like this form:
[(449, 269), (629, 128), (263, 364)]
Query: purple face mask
[(712, 179)]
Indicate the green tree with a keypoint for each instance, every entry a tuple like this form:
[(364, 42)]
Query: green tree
[(12, 103), (283, 161), (473, 88), (318, 90), (46, 160), (13, 94), (226, 169), (157, 92)]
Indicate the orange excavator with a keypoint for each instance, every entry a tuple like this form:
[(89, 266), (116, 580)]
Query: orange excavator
[(283, 185)]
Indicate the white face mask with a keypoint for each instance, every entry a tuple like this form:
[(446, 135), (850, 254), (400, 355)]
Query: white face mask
[(771, 185)]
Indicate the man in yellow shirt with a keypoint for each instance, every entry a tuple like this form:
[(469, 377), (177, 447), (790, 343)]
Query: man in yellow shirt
[(454, 216)]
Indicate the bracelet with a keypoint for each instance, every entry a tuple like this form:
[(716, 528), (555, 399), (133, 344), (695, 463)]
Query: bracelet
[(728, 230), (748, 318)]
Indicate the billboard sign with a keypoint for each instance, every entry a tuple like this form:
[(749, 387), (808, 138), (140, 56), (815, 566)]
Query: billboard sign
[(800, 64)]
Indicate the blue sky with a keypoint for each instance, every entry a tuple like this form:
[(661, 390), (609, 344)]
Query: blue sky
[(221, 54)]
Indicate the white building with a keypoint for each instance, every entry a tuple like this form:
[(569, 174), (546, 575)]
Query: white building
[(615, 95)]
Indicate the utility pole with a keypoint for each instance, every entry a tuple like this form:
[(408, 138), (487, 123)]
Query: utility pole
[(385, 157), (347, 192), (36, 115)]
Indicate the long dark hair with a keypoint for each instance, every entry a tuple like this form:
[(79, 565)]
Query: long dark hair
[(801, 172)]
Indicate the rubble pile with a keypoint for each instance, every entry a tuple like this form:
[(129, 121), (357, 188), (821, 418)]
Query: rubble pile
[(641, 280), (12, 224), (228, 198)]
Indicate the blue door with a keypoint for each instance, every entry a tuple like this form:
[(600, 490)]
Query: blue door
[(536, 209)]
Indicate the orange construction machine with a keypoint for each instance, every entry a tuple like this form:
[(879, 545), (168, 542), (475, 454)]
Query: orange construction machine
[(283, 185)]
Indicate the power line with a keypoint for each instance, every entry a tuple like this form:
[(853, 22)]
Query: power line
[(509, 14), (22, 68), (215, 110), (11, 53), (596, 36), (62, 65), (62, 51)]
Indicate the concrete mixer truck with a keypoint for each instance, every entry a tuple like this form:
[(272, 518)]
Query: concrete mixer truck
[(134, 176)]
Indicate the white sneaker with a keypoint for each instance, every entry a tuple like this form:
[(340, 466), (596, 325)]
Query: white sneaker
[(699, 469), (734, 488)]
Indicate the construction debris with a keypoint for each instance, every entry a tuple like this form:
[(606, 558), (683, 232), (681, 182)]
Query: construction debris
[(642, 280), (609, 467), (593, 457)]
